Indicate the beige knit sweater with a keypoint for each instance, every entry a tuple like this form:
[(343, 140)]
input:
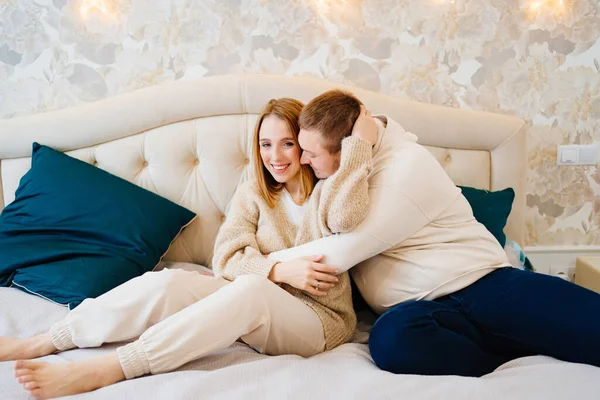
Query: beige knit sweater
[(252, 230)]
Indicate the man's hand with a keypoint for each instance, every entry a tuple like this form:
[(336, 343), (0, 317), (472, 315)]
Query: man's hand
[(306, 274), (365, 127)]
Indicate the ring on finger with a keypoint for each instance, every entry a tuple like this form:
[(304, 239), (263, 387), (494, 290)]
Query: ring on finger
[(317, 287)]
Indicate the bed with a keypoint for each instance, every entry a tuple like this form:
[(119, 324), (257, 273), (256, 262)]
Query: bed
[(153, 137)]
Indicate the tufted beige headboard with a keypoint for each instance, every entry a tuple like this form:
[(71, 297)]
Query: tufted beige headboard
[(189, 141)]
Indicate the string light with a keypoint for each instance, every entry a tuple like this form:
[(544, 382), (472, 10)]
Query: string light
[(554, 5), (89, 5), (546, 6)]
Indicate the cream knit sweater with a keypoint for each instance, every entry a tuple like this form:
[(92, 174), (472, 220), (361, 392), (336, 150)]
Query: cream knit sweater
[(420, 240), (252, 230)]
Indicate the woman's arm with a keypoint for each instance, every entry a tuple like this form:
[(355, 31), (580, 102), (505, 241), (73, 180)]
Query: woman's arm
[(237, 252), (341, 202), (236, 248)]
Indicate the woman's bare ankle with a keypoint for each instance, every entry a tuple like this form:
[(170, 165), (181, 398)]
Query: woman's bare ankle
[(33, 347), (42, 344)]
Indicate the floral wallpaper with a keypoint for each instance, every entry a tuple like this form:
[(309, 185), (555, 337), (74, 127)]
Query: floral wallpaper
[(538, 60)]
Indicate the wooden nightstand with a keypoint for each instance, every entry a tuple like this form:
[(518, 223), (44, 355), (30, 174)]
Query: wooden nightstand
[(587, 273)]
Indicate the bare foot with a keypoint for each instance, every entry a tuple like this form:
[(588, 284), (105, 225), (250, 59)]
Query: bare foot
[(46, 381), (33, 347)]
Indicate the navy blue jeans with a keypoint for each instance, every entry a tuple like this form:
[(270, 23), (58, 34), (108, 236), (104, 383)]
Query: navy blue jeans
[(507, 314)]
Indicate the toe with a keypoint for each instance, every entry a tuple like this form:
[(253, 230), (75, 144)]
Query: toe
[(25, 378), (22, 372), (37, 393), (30, 386), (28, 364)]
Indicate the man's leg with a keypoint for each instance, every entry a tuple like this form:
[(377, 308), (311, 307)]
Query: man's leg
[(121, 314), (524, 313), (430, 338)]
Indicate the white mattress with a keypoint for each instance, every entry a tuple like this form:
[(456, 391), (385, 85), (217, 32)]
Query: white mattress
[(345, 373)]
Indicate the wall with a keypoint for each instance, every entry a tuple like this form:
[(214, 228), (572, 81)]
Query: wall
[(496, 55)]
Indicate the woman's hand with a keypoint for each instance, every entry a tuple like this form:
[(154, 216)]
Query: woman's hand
[(365, 127), (306, 274)]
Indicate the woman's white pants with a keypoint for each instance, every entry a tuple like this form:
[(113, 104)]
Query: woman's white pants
[(178, 316)]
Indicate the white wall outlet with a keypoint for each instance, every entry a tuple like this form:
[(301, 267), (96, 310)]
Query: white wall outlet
[(565, 272), (578, 154)]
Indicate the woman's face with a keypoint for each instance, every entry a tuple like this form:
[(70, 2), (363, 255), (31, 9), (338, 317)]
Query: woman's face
[(279, 152)]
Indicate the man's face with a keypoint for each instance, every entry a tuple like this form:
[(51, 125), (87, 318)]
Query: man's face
[(321, 161)]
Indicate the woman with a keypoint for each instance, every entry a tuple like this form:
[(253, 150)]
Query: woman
[(297, 307)]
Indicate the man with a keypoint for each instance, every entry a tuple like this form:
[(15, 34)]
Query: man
[(451, 303)]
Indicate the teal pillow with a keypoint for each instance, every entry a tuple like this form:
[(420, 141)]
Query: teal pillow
[(491, 208), (75, 231)]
